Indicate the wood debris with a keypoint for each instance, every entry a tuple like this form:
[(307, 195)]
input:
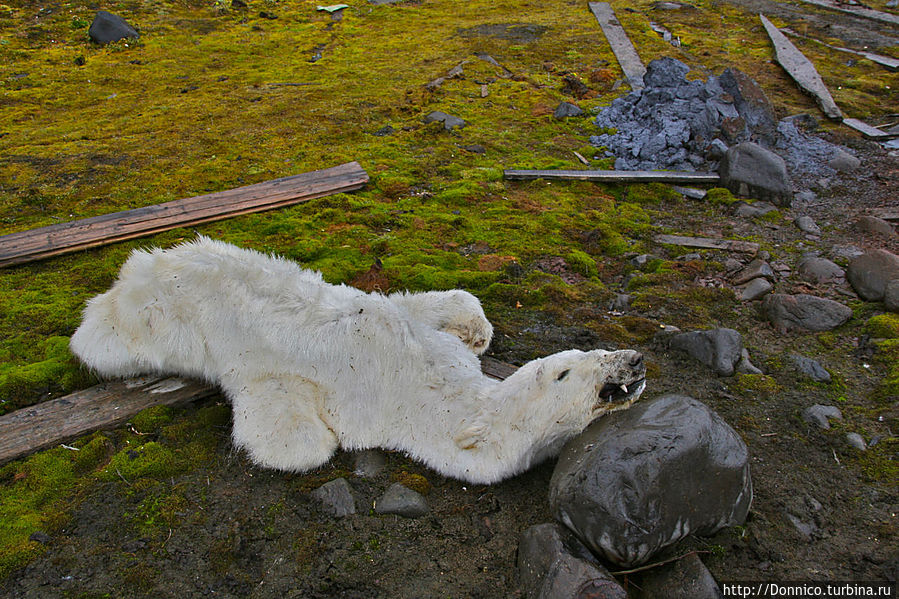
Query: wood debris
[(63, 238), (801, 70), (889, 62), (614, 176), (708, 243), (621, 45), (858, 11)]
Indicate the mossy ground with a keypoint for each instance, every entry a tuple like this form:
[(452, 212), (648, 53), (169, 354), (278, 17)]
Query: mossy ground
[(213, 96)]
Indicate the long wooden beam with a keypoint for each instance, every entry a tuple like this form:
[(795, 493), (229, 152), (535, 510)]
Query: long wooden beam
[(858, 11), (62, 238), (732, 245), (621, 44), (614, 176), (801, 70), (111, 405)]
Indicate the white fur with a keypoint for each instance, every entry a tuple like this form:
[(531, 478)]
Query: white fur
[(310, 366)]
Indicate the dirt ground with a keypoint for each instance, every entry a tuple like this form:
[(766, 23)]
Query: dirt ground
[(240, 531)]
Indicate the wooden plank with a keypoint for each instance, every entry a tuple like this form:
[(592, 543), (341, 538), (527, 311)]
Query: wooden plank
[(801, 70), (614, 176), (111, 404), (621, 45), (101, 407), (709, 244), (858, 11), (890, 63), (886, 214), (869, 131), (62, 238)]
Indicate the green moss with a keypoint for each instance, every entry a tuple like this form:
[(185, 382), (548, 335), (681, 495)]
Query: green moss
[(883, 326), (148, 460), (416, 482), (150, 420), (719, 196), (582, 262), (755, 384)]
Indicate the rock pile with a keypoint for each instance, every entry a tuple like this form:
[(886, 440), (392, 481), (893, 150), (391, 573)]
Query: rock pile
[(678, 124)]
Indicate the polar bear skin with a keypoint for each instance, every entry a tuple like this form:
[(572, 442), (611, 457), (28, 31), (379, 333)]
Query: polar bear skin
[(310, 367)]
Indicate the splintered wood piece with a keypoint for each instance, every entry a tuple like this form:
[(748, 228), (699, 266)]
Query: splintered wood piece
[(621, 44), (62, 238), (111, 404), (867, 130), (614, 176), (888, 62), (101, 407), (801, 70), (709, 244), (858, 11)]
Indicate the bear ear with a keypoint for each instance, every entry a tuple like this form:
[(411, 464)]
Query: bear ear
[(471, 436)]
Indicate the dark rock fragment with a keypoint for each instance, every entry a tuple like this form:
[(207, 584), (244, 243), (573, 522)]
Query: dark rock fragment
[(804, 312), (108, 27), (719, 349), (750, 170)]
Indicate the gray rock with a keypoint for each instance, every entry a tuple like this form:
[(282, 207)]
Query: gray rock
[(686, 578), (748, 169), (719, 349), (843, 161), (621, 303), (807, 225), (878, 226), (846, 251), (820, 414), (552, 563), (753, 106), (756, 289), (746, 210), (107, 27), (755, 269), (870, 273), (336, 498), (449, 121), (369, 463), (804, 312), (567, 109), (810, 368), (891, 296), (857, 441), (665, 72), (745, 366), (716, 150), (805, 530), (805, 197), (402, 501), (820, 270), (639, 480)]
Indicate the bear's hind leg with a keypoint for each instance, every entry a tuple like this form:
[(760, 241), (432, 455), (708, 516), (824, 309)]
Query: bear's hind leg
[(276, 419)]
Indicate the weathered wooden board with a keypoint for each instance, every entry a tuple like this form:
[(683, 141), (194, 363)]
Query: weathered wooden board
[(621, 45), (858, 11), (101, 407), (111, 404), (801, 70), (889, 62), (36, 244), (709, 244), (614, 176), (869, 131)]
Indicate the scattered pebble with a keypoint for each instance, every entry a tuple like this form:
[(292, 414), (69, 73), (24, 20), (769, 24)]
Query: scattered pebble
[(856, 441), (820, 415), (336, 498), (403, 501)]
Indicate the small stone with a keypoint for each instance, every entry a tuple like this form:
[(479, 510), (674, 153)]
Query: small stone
[(719, 349), (567, 109), (870, 273), (449, 121), (748, 169), (805, 197), (806, 531), (336, 498), (843, 161), (804, 312), (820, 270), (384, 131), (820, 414), (878, 226), (107, 27), (755, 269), (475, 149), (403, 501), (807, 225), (747, 210), (716, 150), (686, 578), (810, 368), (756, 289), (40, 537), (856, 441), (553, 563), (369, 463)]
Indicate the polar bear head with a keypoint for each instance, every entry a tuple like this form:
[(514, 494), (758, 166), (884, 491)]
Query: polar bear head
[(549, 400)]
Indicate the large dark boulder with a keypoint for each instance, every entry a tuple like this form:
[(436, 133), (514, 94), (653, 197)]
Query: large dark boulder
[(750, 170), (108, 27), (639, 480), (804, 312), (719, 349), (871, 273)]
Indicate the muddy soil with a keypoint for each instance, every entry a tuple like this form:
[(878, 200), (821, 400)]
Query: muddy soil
[(241, 531)]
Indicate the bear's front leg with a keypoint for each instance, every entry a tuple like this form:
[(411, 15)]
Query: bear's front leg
[(456, 312), (277, 420)]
